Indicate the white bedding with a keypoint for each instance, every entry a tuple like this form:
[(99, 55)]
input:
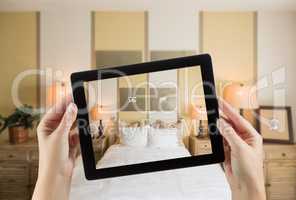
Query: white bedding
[(204, 182)]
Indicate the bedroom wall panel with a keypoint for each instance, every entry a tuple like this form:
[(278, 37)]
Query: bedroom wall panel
[(230, 38), (119, 30), (276, 59), (119, 38), (18, 52)]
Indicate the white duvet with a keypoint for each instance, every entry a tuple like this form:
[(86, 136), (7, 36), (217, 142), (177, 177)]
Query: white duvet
[(204, 182)]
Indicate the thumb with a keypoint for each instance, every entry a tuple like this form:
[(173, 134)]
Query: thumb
[(230, 135), (68, 119)]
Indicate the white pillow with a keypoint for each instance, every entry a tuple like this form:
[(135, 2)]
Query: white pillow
[(135, 137), (163, 137)]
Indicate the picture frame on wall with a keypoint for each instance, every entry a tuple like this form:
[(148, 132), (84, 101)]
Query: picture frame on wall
[(274, 123), (163, 99), (132, 99)]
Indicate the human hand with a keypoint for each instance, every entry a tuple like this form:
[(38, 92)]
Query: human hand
[(243, 155), (57, 151)]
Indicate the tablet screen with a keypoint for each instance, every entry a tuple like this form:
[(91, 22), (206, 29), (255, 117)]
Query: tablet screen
[(148, 117)]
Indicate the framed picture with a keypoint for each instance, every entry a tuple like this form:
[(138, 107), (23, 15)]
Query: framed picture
[(163, 99), (274, 123), (132, 99)]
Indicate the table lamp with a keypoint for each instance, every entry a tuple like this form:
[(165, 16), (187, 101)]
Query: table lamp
[(241, 96), (200, 114), (96, 114)]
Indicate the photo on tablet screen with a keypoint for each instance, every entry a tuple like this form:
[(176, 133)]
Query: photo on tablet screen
[(148, 117)]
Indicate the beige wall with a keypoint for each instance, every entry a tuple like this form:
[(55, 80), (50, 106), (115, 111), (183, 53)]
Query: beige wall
[(277, 60), (230, 38), (66, 45), (18, 52)]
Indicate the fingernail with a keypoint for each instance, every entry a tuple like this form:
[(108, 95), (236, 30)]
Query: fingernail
[(220, 123), (71, 108)]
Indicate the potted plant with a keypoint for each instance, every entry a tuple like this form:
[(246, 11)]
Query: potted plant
[(19, 123)]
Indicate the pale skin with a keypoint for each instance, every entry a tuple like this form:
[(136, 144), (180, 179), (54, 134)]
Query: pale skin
[(58, 149), (243, 150)]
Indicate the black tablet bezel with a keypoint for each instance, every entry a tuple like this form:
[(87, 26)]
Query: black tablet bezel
[(91, 173)]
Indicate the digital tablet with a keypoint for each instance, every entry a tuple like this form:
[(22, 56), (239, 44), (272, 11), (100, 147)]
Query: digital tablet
[(147, 117)]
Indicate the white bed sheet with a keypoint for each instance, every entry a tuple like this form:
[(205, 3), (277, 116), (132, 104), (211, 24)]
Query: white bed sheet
[(203, 182)]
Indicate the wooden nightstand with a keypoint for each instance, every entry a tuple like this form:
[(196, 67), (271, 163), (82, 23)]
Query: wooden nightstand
[(18, 169), (199, 146), (100, 145), (280, 171)]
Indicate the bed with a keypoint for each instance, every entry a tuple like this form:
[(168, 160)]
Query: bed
[(203, 182)]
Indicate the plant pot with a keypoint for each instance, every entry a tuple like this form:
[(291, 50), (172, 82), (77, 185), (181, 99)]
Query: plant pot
[(18, 134)]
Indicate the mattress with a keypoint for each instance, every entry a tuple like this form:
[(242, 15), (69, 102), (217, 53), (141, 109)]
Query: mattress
[(202, 182)]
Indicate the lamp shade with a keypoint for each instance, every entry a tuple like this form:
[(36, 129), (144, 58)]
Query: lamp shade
[(55, 93), (241, 96), (96, 112)]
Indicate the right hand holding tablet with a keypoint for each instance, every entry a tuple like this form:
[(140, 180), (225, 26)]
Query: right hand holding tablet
[(243, 155)]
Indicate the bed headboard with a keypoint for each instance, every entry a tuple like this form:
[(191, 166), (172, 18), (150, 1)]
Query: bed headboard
[(112, 128)]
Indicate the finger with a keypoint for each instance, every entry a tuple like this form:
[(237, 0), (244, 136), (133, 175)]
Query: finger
[(227, 161), (222, 115), (74, 128), (68, 119), (56, 112), (73, 138), (239, 123), (229, 112), (73, 144), (73, 154), (230, 135), (226, 148), (225, 118)]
